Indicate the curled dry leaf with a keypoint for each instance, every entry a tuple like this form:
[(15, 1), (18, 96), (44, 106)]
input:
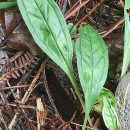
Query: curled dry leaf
[(15, 33), (20, 38)]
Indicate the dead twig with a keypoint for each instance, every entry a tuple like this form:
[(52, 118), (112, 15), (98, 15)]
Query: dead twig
[(82, 125), (27, 94), (113, 27), (89, 13), (14, 121), (41, 114), (18, 105), (75, 8), (14, 87), (65, 124), (48, 93), (3, 120), (17, 55)]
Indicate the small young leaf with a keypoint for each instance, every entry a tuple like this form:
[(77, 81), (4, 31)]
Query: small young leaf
[(126, 57), (48, 28), (72, 29), (99, 103), (108, 94), (4, 5), (109, 115), (92, 62)]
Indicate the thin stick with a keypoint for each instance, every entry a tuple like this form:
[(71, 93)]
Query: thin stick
[(14, 87), (89, 13), (3, 120), (82, 125), (113, 27), (75, 8), (17, 105), (14, 57), (14, 120), (27, 94), (49, 94)]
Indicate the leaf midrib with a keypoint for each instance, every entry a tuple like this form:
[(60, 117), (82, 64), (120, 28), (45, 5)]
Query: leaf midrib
[(53, 35), (67, 66)]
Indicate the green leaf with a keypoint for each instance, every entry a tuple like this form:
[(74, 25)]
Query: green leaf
[(108, 94), (48, 28), (111, 73), (92, 62), (4, 5), (126, 57), (109, 115), (72, 29), (99, 103)]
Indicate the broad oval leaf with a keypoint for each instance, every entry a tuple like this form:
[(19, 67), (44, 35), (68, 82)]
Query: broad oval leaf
[(109, 115), (92, 62), (126, 57), (49, 30)]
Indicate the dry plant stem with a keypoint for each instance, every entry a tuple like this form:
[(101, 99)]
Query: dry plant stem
[(89, 13), (14, 95), (41, 113), (4, 99), (75, 8), (82, 125), (14, 121), (49, 94), (38, 122), (65, 124), (17, 55), (3, 96), (113, 27), (14, 87), (27, 94), (3, 120), (18, 105)]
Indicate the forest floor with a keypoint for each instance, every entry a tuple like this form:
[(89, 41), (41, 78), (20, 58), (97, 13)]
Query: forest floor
[(34, 91)]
